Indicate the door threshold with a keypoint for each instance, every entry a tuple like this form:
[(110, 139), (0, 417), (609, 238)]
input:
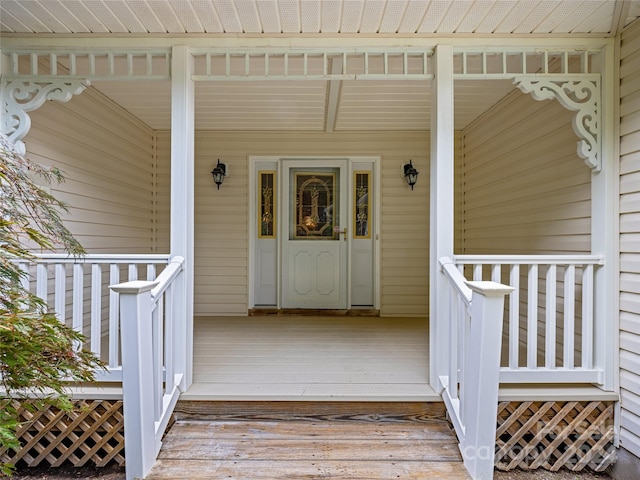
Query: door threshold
[(315, 312)]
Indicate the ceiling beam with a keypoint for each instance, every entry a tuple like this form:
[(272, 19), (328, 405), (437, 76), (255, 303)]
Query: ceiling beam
[(333, 96)]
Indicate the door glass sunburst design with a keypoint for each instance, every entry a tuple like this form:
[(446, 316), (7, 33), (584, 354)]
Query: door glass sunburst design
[(314, 201)]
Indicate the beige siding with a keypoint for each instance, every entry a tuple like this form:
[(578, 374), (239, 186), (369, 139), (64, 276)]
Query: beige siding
[(107, 159), (630, 238), (221, 252), (162, 141), (525, 189), (525, 192)]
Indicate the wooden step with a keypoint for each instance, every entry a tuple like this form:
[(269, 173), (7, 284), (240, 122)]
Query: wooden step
[(304, 410), (292, 440)]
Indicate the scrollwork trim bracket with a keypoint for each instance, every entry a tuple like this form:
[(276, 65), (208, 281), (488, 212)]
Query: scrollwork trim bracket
[(578, 95), (21, 96)]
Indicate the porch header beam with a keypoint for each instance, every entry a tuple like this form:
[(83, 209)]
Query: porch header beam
[(299, 63)]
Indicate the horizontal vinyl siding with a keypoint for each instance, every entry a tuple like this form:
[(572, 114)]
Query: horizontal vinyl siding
[(106, 156), (221, 222), (630, 238), (162, 200), (525, 189)]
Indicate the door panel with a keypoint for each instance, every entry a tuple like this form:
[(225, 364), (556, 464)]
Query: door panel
[(314, 242)]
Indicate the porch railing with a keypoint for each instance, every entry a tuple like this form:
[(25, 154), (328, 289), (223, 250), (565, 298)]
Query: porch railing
[(548, 322), (77, 289), (470, 382), (153, 323)]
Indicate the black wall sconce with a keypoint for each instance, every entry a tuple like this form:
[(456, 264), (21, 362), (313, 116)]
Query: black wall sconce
[(410, 174), (219, 172)]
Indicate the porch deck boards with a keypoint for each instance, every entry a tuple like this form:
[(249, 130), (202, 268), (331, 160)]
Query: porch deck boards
[(296, 440), (295, 357)]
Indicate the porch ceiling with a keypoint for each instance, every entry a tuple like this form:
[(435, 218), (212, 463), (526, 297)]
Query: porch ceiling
[(441, 17), (305, 105), (310, 105)]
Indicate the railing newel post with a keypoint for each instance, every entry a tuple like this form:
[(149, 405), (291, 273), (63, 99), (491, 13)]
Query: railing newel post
[(482, 377), (137, 376)]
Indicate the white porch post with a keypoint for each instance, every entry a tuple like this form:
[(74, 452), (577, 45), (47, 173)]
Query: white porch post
[(441, 208), (182, 196), (137, 376), (605, 227)]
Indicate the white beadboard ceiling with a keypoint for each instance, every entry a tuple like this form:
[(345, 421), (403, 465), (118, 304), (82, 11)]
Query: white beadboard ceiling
[(311, 105), (317, 16)]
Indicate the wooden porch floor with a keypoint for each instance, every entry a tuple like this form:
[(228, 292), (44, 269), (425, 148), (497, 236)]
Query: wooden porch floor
[(295, 440), (281, 357)]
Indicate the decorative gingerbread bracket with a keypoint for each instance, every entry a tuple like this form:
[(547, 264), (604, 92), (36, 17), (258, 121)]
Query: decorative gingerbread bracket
[(581, 96), (19, 97)]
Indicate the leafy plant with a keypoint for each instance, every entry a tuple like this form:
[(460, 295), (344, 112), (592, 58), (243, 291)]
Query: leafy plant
[(39, 355)]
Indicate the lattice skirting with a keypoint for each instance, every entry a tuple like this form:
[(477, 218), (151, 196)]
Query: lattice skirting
[(555, 435), (92, 434)]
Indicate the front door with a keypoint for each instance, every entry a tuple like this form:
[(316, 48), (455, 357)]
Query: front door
[(314, 234)]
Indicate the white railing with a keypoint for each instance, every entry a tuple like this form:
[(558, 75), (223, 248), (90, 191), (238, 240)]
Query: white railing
[(153, 323), (549, 322), (77, 289), (470, 383)]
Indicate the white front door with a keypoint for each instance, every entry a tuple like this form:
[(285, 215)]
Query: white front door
[(314, 233)]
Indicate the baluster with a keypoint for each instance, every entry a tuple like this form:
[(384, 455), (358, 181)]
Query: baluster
[(42, 279), (454, 364), (158, 355), (78, 296), (569, 315), (151, 271), (514, 317), (496, 273), (532, 318), (96, 308), (169, 353), (477, 272), (133, 272), (587, 316), (60, 292), (550, 333), (114, 317)]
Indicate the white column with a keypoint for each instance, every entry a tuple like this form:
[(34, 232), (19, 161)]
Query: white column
[(182, 196), (137, 377), (441, 208), (605, 226), (482, 378)]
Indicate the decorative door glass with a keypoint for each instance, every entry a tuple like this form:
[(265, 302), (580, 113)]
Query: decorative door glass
[(361, 205), (314, 199), (267, 205)]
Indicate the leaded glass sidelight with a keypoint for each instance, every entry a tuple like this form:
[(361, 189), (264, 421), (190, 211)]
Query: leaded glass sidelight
[(267, 204), (361, 205), (314, 200)]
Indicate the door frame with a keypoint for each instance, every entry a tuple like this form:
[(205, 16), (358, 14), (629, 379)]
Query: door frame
[(252, 224)]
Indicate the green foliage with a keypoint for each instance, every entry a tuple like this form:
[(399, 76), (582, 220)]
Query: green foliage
[(39, 355)]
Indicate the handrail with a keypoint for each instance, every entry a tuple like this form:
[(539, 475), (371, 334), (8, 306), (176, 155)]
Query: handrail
[(456, 278), (167, 276), (76, 289), (531, 259), (101, 258), (471, 377), (550, 325), (154, 335)]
